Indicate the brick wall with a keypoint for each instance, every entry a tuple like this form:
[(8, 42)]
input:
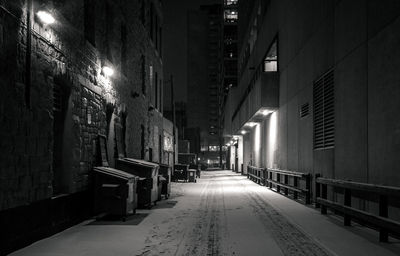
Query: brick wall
[(62, 60)]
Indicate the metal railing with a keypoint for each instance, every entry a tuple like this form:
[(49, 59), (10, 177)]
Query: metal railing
[(381, 221), (282, 181)]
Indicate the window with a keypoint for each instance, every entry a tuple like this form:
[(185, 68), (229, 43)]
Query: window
[(156, 91), (271, 58), (109, 29), (324, 127), (143, 73), (89, 21), (230, 16), (143, 12)]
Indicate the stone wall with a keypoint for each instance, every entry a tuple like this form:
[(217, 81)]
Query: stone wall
[(62, 61)]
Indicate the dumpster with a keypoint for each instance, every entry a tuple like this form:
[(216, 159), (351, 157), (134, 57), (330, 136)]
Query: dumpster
[(192, 175), (161, 181), (148, 182), (165, 171), (197, 168), (114, 192), (181, 172)]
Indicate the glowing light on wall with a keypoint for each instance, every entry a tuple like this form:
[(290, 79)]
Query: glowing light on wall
[(251, 124), (266, 112), (272, 138), (243, 132), (107, 71), (45, 17), (257, 144)]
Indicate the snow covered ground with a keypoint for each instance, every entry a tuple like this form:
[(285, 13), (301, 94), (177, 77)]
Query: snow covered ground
[(222, 214)]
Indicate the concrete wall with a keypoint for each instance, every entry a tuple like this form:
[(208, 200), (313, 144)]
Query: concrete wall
[(359, 40)]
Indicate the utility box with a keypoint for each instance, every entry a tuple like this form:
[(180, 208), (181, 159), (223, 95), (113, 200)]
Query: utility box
[(114, 191), (165, 171), (148, 182)]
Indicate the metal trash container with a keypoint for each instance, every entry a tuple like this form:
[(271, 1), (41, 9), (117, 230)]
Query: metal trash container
[(192, 175), (181, 172), (165, 171), (114, 192), (148, 182), (161, 181)]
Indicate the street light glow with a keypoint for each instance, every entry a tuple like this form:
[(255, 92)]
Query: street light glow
[(243, 132), (45, 17), (108, 71)]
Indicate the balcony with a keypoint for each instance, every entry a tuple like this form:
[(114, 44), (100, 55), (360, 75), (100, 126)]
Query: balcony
[(259, 99)]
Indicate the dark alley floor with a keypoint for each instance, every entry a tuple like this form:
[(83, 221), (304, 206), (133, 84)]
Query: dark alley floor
[(222, 214)]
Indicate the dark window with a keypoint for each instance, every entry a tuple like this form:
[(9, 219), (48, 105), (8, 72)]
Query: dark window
[(324, 128), (142, 149), (156, 90), (151, 22), (143, 12), (123, 48), (109, 30), (89, 21), (143, 73)]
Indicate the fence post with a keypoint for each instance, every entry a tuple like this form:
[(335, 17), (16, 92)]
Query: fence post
[(347, 202), (278, 179), (295, 184), (270, 178), (324, 195), (383, 212), (286, 181), (317, 190), (308, 188)]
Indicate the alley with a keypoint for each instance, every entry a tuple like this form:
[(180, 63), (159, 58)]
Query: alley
[(222, 214)]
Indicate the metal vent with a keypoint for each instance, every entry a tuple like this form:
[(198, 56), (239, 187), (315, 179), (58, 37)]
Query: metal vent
[(304, 110), (324, 127)]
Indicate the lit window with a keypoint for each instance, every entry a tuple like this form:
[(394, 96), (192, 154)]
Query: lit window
[(230, 15), (271, 59)]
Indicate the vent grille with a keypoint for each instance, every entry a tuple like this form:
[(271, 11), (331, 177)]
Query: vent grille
[(324, 122), (304, 110)]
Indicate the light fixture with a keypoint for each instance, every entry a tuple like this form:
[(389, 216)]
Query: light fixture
[(243, 132), (266, 112), (251, 124), (108, 71), (45, 17)]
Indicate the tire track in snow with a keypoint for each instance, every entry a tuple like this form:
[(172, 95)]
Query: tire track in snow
[(289, 238)]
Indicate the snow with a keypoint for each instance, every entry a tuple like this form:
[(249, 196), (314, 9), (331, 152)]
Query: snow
[(222, 214)]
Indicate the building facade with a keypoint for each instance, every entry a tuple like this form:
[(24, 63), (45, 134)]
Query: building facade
[(204, 78), (317, 89), (59, 94)]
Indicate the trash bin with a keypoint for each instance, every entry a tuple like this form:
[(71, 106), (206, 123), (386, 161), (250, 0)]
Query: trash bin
[(181, 172), (148, 182), (165, 171), (161, 181), (114, 192), (192, 175)]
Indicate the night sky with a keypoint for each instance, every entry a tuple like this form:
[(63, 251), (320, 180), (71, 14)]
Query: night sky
[(175, 40)]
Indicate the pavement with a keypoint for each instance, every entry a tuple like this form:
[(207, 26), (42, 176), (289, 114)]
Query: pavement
[(222, 214)]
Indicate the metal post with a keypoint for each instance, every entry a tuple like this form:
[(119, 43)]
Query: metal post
[(317, 190), (308, 188), (324, 195), (347, 202), (295, 184), (383, 212)]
